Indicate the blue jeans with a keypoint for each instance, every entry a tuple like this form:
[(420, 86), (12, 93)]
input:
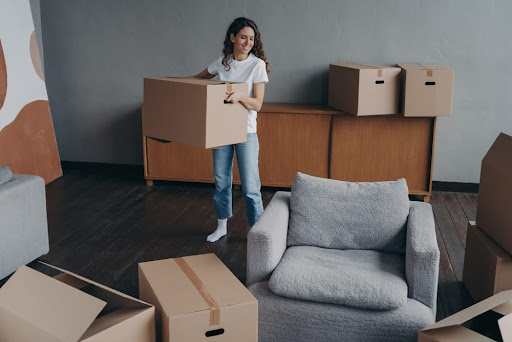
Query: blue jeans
[(247, 156)]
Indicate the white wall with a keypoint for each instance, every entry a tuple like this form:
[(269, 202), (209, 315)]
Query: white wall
[(23, 83)]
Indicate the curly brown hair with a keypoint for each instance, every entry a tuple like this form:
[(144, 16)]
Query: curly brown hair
[(235, 27)]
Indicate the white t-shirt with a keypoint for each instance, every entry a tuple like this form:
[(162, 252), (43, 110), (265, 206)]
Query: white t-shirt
[(251, 70)]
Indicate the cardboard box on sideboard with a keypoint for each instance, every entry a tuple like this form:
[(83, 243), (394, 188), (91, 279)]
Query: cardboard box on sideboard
[(197, 298), (68, 307), (192, 111), (494, 208), (364, 89), (427, 90), (487, 266), (451, 329)]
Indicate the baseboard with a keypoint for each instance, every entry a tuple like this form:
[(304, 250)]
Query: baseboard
[(137, 171), (123, 170), (455, 187)]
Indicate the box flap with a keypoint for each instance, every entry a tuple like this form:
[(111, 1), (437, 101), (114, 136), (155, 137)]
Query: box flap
[(48, 304), (178, 295), (456, 333), (109, 320), (500, 154), (493, 213), (473, 311), (505, 324), (422, 66), (16, 329), (97, 284)]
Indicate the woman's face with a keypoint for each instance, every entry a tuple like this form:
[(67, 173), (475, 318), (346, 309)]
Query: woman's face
[(243, 41)]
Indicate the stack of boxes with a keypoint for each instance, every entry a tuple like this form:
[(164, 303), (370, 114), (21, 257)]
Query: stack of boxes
[(415, 90), (488, 259)]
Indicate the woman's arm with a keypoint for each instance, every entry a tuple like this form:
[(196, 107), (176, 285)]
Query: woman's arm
[(204, 74), (253, 103)]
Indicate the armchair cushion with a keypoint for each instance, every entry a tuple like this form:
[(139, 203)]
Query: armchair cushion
[(358, 278), (344, 215), (285, 319)]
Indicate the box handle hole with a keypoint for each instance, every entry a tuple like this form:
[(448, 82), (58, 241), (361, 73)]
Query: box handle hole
[(226, 102), (430, 83), (215, 332), (379, 82)]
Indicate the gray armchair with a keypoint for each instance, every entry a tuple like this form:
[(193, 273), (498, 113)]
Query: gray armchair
[(312, 285)]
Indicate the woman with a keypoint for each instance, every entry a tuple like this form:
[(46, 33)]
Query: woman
[(243, 60)]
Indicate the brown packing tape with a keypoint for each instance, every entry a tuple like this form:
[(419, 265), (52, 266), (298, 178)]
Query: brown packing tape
[(430, 72), (379, 69), (192, 276), (229, 87)]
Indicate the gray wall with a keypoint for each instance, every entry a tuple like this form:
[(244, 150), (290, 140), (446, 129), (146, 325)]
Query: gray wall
[(97, 52)]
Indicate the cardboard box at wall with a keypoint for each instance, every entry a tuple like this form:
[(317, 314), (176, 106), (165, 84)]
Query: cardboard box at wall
[(451, 329), (487, 266), (197, 298), (364, 89), (36, 307), (427, 90), (494, 209), (192, 111)]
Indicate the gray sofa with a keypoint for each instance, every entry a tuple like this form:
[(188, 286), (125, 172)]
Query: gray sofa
[(319, 275), (23, 222)]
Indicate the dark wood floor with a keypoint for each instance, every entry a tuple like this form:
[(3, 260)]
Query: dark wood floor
[(101, 224)]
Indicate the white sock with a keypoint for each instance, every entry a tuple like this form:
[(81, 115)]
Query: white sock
[(222, 229)]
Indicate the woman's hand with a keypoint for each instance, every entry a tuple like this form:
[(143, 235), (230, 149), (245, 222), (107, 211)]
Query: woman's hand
[(248, 102), (233, 97)]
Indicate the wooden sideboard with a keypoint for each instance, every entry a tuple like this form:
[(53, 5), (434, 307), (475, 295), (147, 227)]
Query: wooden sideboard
[(316, 140)]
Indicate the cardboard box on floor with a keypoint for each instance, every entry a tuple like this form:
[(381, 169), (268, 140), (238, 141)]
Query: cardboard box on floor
[(36, 307), (364, 89), (427, 90), (197, 298), (192, 111), (494, 209), (487, 266), (451, 330)]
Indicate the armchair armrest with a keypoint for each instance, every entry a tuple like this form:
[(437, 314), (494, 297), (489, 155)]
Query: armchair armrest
[(422, 255), (266, 241)]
